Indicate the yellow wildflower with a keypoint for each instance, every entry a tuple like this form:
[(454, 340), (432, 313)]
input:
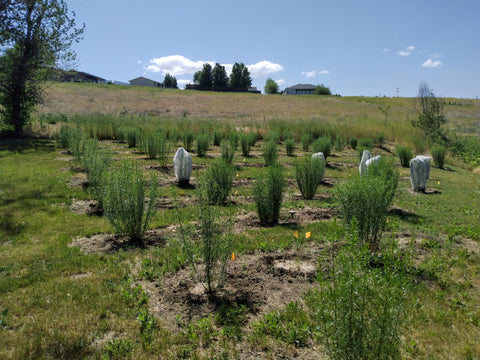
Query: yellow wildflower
[(308, 234)]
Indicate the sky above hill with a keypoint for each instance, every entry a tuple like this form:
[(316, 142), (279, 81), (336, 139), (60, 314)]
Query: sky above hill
[(370, 47)]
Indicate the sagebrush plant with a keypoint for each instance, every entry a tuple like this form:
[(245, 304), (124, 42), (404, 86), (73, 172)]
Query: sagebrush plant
[(353, 142), (208, 245), (218, 181), (366, 200), (132, 136), (247, 140), (290, 146), (187, 139), (359, 308), (364, 144), (227, 151), (124, 200), (268, 193), (217, 137), (203, 141), (309, 173), (233, 137), (95, 162), (270, 152), (323, 145), (438, 154), (306, 140), (405, 155), (379, 139)]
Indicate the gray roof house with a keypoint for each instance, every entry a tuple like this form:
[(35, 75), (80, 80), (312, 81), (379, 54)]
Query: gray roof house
[(300, 89), (141, 81)]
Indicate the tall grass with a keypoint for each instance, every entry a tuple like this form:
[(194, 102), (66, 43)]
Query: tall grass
[(405, 155), (270, 152), (323, 145), (309, 173), (218, 181), (438, 154), (203, 141), (227, 151)]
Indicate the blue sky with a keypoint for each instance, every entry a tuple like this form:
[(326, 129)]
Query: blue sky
[(369, 47)]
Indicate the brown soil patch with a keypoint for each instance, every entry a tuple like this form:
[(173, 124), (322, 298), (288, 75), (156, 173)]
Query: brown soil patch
[(85, 207), (79, 180), (262, 282)]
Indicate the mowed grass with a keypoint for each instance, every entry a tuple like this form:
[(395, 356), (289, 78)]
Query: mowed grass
[(58, 302)]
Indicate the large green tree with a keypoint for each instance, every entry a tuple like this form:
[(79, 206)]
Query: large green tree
[(240, 79), (219, 77), (205, 77), (35, 35), (170, 81), (271, 87)]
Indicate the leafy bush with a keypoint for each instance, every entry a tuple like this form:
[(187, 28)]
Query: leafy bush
[(364, 144), (438, 154), (323, 145), (367, 200), (405, 155), (468, 149), (289, 146), (268, 193), (187, 139), (219, 181), (124, 193), (360, 309), (353, 142), (211, 242), (203, 140), (309, 172), (379, 139), (227, 151), (270, 152), (307, 140)]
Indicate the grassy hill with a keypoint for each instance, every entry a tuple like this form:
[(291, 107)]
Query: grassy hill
[(70, 288)]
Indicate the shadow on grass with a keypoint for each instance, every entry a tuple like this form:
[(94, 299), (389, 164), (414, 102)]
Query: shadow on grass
[(16, 145), (406, 216)]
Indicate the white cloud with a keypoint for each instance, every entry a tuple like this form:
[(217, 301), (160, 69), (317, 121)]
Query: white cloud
[(182, 82), (263, 68), (407, 51), (139, 61), (280, 82), (180, 65), (313, 73), (175, 65), (432, 63)]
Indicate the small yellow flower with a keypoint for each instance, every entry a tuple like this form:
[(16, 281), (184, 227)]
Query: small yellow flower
[(233, 257), (439, 183), (387, 220), (308, 234), (182, 193), (288, 173), (244, 159), (238, 175), (295, 234), (236, 192)]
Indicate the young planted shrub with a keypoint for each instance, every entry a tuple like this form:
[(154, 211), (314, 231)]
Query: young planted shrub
[(379, 139), (203, 141), (366, 200), (208, 248), (360, 309), (132, 136), (353, 142), (272, 135), (270, 152), (268, 193), (364, 144), (227, 151), (233, 136), (309, 172), (187, 139), (307, 140), (438, 154), (290, 146), (405, 155), (323, 145), (340, 143), (219, 181), (124, 193), (95, 162), (247, 140), (217, 137)]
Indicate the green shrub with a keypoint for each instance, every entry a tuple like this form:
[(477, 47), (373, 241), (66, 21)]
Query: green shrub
[(217, 137), (270, 152), (187, 139), (323, 145), (219, 181), (359, 308), (367, 200), (364, 144), (467, 148), (353, 142), (95, 162), (208, 247), (290, 146), (309, 172), (227, 151), (307, 140), (272, 135), (438, 154), (379, 139), (63, 135), (405, 155), (124, 193), (203, 141), (233, 136), (268, 193), (340, 143), (132, 137), (246, 143)]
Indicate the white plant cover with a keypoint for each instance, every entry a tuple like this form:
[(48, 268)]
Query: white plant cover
[(418, 174), (322, 158), (428, 160), (182, 165), (363, 167)]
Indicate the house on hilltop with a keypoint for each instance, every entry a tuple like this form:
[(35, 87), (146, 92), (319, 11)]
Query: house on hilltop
[(300, 89), (77, 76), (141, 81)]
